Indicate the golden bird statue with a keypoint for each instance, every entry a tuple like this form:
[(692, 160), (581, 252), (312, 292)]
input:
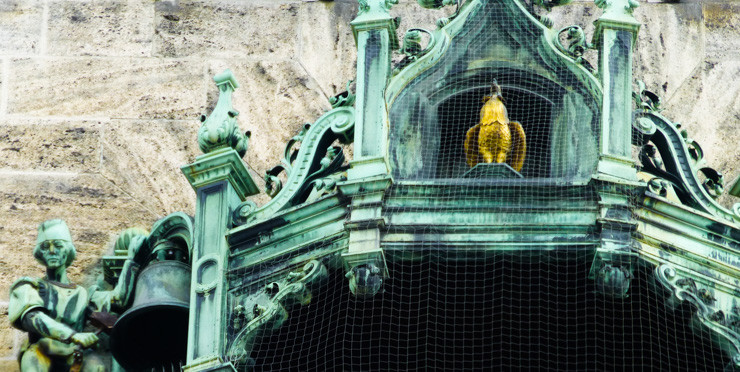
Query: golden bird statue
[(495, 138)]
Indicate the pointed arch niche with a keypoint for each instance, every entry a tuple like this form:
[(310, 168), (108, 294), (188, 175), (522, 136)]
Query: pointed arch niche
[(434, 101)]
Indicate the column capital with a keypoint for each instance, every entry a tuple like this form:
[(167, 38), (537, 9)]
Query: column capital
[(374, 15), (617, 16), (219, 165)]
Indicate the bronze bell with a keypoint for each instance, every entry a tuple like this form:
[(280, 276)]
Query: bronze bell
[(153, 333)]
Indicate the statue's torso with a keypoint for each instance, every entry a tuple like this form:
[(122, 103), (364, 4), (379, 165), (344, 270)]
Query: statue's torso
[(66, 303)]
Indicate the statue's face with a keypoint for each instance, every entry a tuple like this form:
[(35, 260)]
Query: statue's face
[(54, 253)]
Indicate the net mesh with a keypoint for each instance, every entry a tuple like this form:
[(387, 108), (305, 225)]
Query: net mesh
[(489, 269), (502, 312)]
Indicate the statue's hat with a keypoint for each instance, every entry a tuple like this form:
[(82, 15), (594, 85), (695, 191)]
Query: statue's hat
[(53, 230)]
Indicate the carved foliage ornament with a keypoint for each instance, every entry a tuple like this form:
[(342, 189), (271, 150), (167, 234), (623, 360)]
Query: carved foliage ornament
[(412, 49), (547, 5), (366, 6), (220, 129), (268, 308), (577, 44), (723, 323)]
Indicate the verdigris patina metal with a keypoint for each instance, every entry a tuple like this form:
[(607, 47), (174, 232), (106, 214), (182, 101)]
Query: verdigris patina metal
[(404, 197), (220, 129), (54, 311), (152, 333), (588, 192), (222, 182)]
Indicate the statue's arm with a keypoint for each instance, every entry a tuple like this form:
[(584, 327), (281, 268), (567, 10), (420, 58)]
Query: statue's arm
[(36, 321), (26, 305), (122, 293), (26, 312), (120, 296)]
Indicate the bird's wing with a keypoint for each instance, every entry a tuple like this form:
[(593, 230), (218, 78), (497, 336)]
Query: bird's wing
[(518, 146), (471, 146)]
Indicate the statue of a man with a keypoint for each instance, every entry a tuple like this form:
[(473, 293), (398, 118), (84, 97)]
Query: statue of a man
[(54, 311)]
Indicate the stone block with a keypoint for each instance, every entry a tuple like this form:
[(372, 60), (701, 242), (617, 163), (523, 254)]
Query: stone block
[(9, 365), (94, 209), (8, 335), (326, 46), (3, 93), (275, 100), (20, 26), (722, 21), (669, 33), (100, 28), (143, 158), (413, 16), (104, 87), (217, 28), (46, 145)]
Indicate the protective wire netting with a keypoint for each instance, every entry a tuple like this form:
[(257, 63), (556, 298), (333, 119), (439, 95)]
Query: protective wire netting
[(490, 312), (488, 266)]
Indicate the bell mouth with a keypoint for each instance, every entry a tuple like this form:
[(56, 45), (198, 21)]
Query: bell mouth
[(151, 337), (153, 334)]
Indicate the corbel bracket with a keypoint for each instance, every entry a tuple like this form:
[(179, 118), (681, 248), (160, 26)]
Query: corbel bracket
[(267, 309), (615, 259), (364, 259), (716, 311)]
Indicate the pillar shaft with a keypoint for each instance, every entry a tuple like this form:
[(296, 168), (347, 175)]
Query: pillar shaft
[(616, 32), (221, 182), (375, 34)]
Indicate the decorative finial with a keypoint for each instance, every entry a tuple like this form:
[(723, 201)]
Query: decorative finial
[(220, 129)]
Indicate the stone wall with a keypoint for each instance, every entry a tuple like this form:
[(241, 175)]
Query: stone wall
[(99, 101)]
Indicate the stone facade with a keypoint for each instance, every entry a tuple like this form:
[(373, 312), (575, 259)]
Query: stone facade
[(99, 101)]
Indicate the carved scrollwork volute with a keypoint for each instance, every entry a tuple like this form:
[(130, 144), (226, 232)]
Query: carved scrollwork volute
[(645, 99), (268, 308), (273, 183), (711, 314), (668, 153), (577, 44), (344, 99), (315, 158)]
